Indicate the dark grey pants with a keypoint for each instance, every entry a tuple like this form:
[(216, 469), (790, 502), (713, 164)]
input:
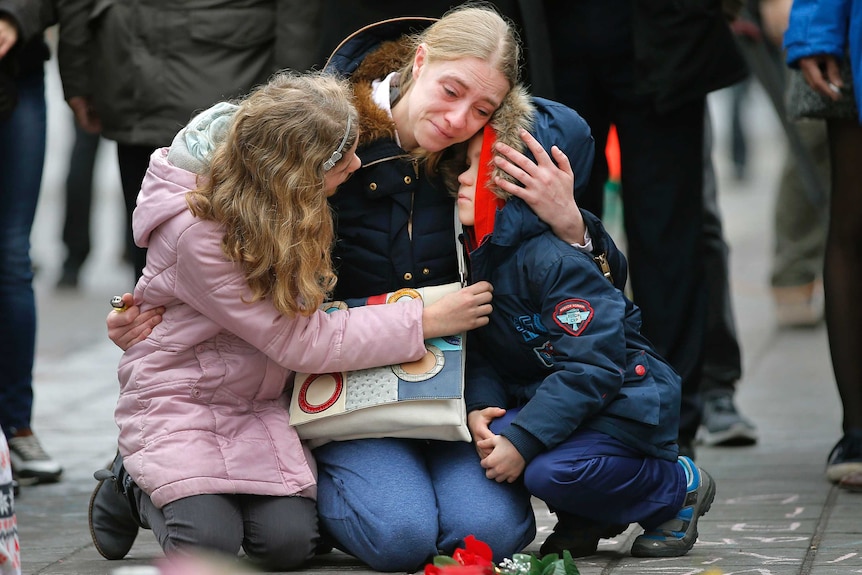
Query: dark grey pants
[(276, 533)]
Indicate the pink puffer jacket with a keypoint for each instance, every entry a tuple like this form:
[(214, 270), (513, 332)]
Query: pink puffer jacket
[(202, 405)]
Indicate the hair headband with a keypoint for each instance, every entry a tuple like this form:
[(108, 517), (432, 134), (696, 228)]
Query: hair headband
[(336, 155)]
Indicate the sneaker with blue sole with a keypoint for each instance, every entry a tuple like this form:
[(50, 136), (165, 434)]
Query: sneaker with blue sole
[(676, 537)]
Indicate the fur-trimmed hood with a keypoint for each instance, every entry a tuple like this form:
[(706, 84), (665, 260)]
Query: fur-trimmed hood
[(376, 50), (371, 53), (553, 124)]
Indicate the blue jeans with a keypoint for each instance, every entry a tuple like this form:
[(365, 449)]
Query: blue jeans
[(393, 503), (22, 149)]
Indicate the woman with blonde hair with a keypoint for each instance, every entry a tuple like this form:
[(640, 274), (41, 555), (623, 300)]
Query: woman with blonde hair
[(239, 257), (421, 85)]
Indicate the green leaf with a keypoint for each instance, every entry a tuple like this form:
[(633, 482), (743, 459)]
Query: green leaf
[(443, 560), (551, 564), (549, 560), (569, 564), (552, 568)]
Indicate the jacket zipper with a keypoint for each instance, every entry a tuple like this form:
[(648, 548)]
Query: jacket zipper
[(602, 261), (412, 200)]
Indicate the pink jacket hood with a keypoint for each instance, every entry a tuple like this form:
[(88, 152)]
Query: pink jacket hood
[(157, 204)]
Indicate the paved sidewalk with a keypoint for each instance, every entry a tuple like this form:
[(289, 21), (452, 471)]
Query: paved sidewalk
[(774, 512)]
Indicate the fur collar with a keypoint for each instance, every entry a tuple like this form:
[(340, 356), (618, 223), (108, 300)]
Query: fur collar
[(515, 113), (391, 56)]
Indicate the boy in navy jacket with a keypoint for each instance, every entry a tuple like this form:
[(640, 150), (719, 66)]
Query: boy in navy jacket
[(562, 388)]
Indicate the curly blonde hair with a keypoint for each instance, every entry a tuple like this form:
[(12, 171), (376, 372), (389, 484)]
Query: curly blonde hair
[(265, 184)]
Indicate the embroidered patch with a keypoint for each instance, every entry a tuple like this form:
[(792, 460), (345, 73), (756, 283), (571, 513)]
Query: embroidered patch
[(573, 315), (529, 326), (545, 354)]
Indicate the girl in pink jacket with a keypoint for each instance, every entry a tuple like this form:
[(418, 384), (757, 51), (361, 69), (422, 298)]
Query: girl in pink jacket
[(239, 259)]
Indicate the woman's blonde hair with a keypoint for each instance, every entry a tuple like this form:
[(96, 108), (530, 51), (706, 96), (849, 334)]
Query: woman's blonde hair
[(265, 184), (472, 30)]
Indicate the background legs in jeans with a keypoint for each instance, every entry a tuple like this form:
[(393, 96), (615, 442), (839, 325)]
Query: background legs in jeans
[(22, 147)]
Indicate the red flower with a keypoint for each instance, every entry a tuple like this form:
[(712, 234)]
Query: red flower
[(475, 559), (458, 569), (475, 553)]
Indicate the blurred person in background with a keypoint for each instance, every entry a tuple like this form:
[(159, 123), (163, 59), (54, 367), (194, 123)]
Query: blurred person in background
[(802, 204), (79, 201), (122, 79), (23, 53), (824, 41), (646, 67)]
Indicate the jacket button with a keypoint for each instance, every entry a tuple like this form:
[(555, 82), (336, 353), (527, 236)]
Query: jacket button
[(640, 370), (196, 392), (408, 180), (372, 186), (200, 349), (408, 276), (425, 271)]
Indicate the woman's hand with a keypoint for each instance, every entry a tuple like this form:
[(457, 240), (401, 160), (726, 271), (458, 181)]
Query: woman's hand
[(466, 309), (85, 114), (548, 186), (128, 326), (823, 75)]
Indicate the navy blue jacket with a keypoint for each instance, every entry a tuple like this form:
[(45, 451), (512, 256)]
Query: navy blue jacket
[(375, 252), (564, 341)]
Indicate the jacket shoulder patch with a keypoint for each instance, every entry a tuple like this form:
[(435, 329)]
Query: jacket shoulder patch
[(573, 315)]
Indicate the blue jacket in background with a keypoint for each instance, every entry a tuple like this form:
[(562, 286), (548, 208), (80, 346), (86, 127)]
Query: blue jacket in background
[(832, 27)]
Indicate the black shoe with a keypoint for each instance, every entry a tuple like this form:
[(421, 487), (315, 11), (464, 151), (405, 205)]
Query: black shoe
[(846, 457), (113, 521), (722, 424), (68, 279), (577, 536)]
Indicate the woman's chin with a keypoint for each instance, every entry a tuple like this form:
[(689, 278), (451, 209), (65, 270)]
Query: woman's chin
[(434, 141)]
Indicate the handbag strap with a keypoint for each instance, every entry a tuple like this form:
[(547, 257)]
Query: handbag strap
[(459, 248)]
